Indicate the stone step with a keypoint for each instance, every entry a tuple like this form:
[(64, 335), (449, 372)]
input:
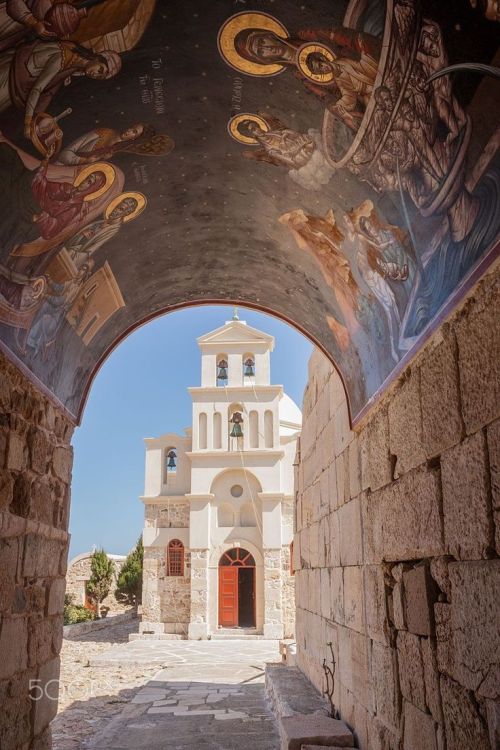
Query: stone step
[(237, 634)]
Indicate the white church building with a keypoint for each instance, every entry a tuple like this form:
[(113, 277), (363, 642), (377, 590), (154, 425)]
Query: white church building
[(219, 500)]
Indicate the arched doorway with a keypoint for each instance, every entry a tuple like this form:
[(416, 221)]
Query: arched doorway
[(237, 589)]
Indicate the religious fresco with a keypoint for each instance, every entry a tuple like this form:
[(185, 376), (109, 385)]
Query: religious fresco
[(334, 163)]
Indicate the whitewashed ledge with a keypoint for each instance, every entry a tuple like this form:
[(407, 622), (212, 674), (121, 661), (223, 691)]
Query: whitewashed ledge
[(82, 628)]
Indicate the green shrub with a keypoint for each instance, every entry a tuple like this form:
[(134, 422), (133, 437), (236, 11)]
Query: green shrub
[(74, 613), (129, 583)]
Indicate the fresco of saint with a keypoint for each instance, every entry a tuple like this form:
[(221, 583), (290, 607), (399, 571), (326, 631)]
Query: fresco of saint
[(104, 143), (31, 74), (338, 65), (281, 146), (36, 206)]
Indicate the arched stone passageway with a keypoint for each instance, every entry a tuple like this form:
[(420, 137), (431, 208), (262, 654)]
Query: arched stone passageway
[(320, 150), (318, 164)]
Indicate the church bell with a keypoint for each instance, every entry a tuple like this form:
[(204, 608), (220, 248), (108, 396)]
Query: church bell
[(236, 431), (249, 369), (221, 372)]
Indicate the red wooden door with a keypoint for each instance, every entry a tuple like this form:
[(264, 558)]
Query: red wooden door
[(228, 596)]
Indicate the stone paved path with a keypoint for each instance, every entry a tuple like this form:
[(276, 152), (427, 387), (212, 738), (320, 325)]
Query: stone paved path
[(207, 695)]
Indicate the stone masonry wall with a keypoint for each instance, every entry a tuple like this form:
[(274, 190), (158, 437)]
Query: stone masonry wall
[(165, 599), (35, 473), (174, 514), (398, 541), (79, 572)]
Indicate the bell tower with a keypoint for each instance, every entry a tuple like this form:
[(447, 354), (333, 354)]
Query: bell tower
[(236, 407)]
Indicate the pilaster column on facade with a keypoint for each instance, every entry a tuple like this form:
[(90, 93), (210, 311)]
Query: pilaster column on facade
[(199, 520), (151, 621), (198, 625), (273, 608), (271, 519)]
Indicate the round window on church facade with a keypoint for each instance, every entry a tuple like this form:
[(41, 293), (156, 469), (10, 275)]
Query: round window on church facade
[(236, 490)]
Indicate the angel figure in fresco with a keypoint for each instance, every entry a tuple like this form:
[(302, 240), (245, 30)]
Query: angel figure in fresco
[(321, 238), (104, 143), (382, 261), (338, 65), (36, 206), (31, 74), (300, 153)]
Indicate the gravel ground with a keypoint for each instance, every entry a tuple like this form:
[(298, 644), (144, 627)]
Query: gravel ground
[(90, 696)]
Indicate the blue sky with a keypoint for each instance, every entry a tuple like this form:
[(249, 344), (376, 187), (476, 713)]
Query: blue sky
[(141, 392)]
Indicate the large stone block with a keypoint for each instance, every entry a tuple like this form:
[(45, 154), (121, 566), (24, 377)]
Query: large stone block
[(379, 462), (471, 657), (337, 594), (398, 607), (405, 425), (13, 647), (385, 680), (303, 729), (419, 730), (375, 603), (420, 593), (478, 338), (55, 602), (411, 669), (354, 664), (15, 712), (351, 548), (431, 677), (9, 554), (62, 462), (40, 449), (442, 424), (403, 521), (46, 695), (353, 598), (494, 457), (465, 727), (467, 523), (326, 597)]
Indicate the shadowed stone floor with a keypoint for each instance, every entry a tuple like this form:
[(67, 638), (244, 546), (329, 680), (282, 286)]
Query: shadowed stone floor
[(192, 694)]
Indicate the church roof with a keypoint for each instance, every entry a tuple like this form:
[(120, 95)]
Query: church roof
[(236, 332)]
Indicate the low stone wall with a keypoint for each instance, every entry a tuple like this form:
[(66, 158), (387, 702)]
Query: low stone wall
[(35, 464), (398, 539), (83, 628)]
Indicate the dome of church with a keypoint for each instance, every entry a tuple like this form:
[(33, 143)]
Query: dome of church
[(290, 413)]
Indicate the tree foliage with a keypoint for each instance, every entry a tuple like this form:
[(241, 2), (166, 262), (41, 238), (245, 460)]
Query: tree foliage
[(101, 578), (129, 584)]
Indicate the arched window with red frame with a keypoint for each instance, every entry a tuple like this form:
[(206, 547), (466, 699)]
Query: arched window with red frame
[(175, 558)]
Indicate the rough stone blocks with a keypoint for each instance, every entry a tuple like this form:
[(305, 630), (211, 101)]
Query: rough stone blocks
[(303, 729), (467, 522), (420, 593)]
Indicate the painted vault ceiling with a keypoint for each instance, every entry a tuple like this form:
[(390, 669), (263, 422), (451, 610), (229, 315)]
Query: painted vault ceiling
[(335, 163)]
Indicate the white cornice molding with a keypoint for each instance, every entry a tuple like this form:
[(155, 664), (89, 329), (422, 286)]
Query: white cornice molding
[(256, 452)]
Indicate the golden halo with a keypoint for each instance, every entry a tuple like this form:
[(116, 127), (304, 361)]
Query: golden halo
[(239, 22), (141, 205), (303, 54), (233, 123), (100, 166)]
